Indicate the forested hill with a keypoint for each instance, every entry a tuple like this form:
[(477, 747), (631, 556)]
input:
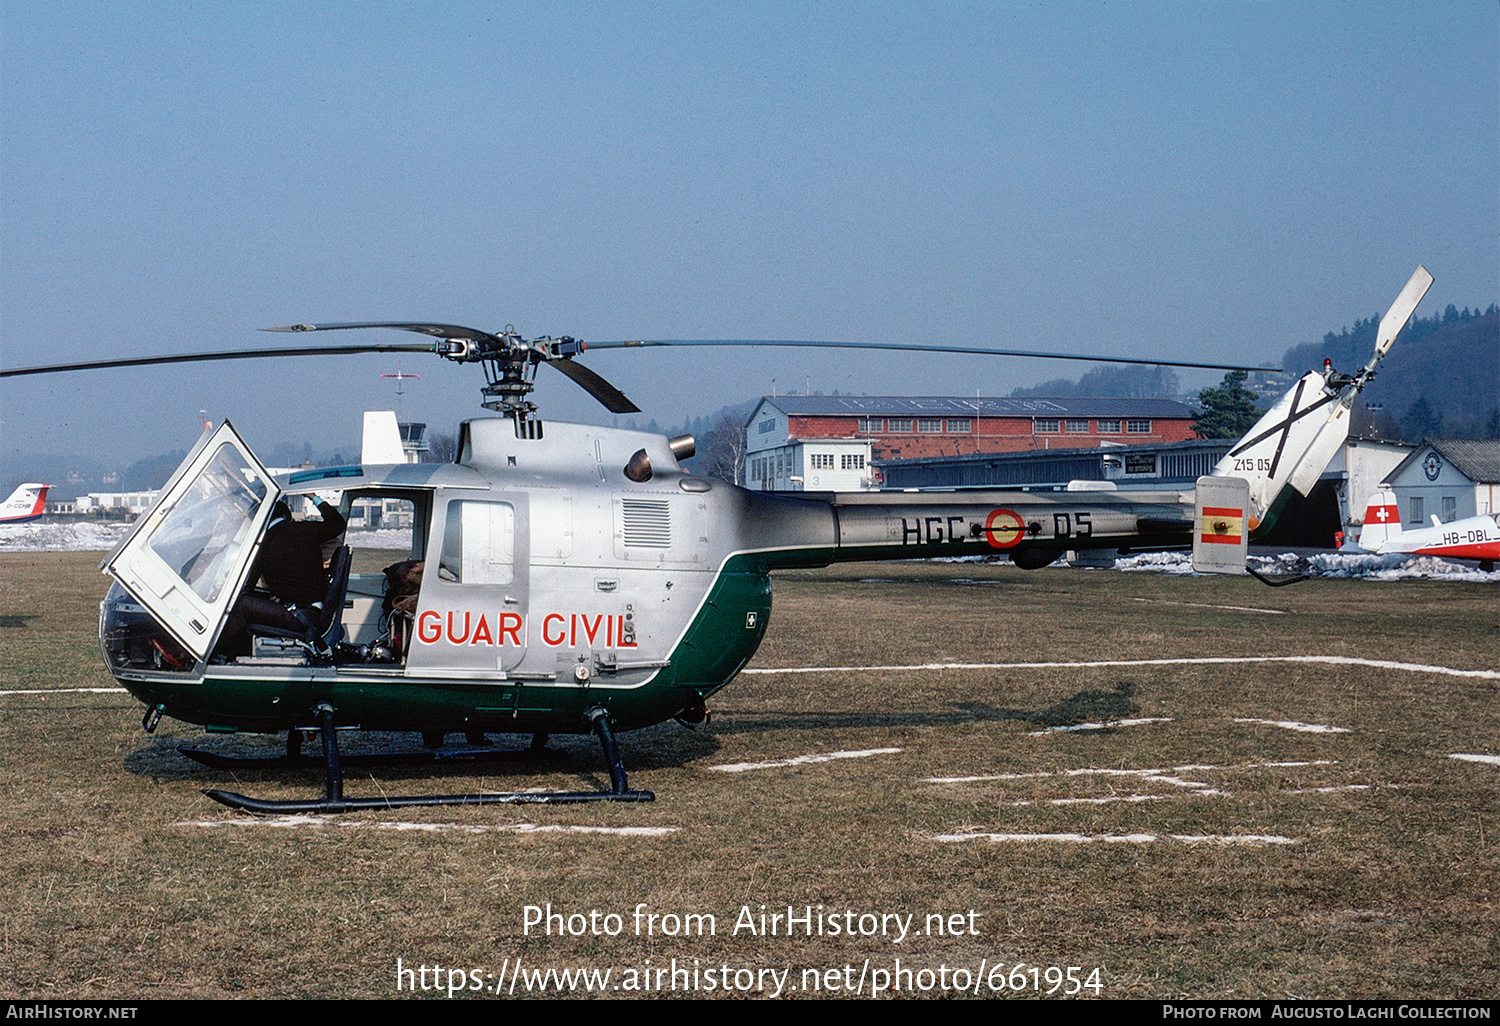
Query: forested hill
[(1441, 377)]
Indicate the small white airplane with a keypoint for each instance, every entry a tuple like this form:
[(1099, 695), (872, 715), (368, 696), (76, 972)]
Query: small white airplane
[(1471, 538), (26, 503)]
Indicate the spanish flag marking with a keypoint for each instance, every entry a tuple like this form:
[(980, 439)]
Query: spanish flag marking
[(1222, 525)]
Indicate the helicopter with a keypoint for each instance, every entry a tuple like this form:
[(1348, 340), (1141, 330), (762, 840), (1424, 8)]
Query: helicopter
[(575, 579)]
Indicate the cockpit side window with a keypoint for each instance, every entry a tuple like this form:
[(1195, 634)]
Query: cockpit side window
[(479, 543), (385, 528)]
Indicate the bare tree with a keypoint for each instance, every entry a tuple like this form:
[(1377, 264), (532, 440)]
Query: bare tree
[(724, 450), (443, 448)]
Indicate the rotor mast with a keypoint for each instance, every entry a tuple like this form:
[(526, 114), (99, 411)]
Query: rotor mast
[(509, 362), (510, 370)]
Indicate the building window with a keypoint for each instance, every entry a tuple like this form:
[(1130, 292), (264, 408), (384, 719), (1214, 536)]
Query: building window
[(1450, 509), (822, 461), (871, 425), (1416, 510), (1138, 427), (1076, 427), (852, 461), (1109, 427), (930, 426), (900, 426), (959, 427), (1045, 427)]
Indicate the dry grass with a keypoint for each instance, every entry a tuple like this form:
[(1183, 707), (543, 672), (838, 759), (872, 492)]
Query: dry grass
[(1390, 888)]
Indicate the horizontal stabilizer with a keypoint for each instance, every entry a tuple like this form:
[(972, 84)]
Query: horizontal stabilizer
[(1221, 532)]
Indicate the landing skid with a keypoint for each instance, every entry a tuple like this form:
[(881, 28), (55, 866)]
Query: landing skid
[(333, 799)]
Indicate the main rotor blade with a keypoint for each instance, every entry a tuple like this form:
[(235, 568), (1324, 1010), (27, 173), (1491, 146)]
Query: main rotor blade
[(237, 354), (435, 330), (613, 399), (922, 348)]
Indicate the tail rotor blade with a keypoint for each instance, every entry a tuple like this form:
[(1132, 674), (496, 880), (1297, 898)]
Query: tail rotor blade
[(1396, 317)]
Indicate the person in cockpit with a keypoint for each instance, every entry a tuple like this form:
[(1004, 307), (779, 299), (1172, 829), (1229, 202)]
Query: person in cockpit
[(291, 567)]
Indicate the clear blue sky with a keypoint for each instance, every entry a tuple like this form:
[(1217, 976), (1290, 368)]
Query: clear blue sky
[(1200, 180)]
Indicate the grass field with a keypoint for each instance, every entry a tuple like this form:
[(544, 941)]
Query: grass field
[(1228, 845)]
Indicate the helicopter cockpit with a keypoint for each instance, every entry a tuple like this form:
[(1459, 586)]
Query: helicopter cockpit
[(193, 554)]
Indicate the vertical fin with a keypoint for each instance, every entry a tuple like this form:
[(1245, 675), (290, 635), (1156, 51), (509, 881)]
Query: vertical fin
[(382, 439), (1291, 445), (26, 503), (1267, 456), (1382, 521)]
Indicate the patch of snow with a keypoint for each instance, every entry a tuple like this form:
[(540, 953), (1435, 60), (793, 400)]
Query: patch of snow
[(1325, 564), (104, 535)]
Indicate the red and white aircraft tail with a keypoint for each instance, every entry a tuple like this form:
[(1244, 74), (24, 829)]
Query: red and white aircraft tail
[(26, 503), (1382, 522), (1471, 538)]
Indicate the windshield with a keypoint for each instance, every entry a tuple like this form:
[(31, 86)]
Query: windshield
[(203, 536)]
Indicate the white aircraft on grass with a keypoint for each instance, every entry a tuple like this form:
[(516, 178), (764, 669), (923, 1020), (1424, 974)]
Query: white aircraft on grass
[(1470, 538)]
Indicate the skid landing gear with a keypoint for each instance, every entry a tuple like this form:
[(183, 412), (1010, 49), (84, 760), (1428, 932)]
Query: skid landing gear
[(333, 799)]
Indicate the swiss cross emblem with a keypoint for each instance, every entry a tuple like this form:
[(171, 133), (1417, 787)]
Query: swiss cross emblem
[(1383, 514), (750, 620)]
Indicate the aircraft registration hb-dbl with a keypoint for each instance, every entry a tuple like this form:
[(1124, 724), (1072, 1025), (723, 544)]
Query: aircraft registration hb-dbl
[(575, 578), (26, 503), (1470, 538)]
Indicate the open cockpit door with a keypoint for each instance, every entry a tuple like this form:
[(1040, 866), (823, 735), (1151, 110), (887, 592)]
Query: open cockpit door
[(187, 557)]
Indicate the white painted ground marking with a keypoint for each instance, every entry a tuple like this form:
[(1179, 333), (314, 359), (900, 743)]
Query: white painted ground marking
[(1121, 838), (1148, 774), (1129, 798), (1211, 605), (295, 822), (802, 760), (1386, 664), (1233, 839), (1380, 664), (1102, 726), (1493, 760), (1306, 728), (66, 691)]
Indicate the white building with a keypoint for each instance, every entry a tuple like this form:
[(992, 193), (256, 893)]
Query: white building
[(823, 465), (1451, 478), (775, 462), (98, 502), (1358, 469)]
